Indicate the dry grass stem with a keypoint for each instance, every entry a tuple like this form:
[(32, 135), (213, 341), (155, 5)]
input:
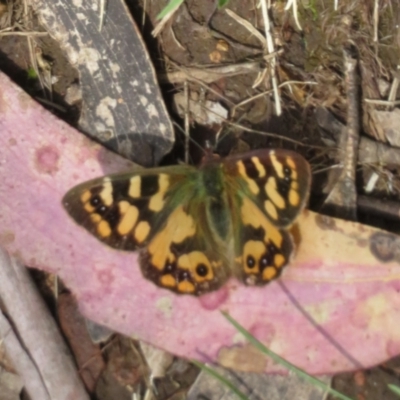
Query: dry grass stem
[(335, 5), (376, 20), (270, 47), (248, 26), (163, 22), (144, 13), (293, 4), (51, 104), (187, 120), (257, 96), (178, 43), (383, 102), (34, 34), (102, 13), (273, 135), (393, 89)]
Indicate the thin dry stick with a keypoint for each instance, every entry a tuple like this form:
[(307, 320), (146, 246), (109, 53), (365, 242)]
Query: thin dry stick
[(213, 91), (293, 4), (248, 26), (33, 34), (270, 47), (102, 13), (163, 22), (272, 135), (187, 121), (144, 13), (393, 89), (208, 75), (248, 100), (383, 102), (342, 199), (376, 20)]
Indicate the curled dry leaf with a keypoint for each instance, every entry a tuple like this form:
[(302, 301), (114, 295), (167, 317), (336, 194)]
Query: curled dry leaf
[(334, 309)]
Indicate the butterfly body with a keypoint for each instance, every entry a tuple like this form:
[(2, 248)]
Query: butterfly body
[(197, 227)]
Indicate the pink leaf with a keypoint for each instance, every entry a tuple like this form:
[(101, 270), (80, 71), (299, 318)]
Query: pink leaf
[(334, 309)]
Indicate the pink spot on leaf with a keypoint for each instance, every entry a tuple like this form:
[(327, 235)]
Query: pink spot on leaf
[(47, 160)]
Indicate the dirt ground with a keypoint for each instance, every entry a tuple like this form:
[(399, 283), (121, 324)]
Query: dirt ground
[(308, 68)]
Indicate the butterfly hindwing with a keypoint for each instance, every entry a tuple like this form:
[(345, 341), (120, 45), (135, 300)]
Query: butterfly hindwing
[(185, 255)]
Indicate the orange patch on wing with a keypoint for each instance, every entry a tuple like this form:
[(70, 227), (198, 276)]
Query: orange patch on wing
[(279, 260), (168, 281), (186, 287), (271, 189), (179, 227), (294, 198), (260, 168), (85, 196), (134, 190), (157, 200), (250, 182), (142, 231), (129, 217), (103, 229), (269, 273), (278, 166), (252, 215), (106, 193), (292, 166), (271, 209), (95, 218)]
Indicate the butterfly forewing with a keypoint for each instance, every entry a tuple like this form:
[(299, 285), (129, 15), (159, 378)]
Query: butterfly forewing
[(278, 181), (125, 210)]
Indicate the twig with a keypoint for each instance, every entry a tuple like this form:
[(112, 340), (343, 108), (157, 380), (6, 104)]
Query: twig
[(144, 13), (36, 34), (164, 20), (22, 362), (376, 20), (393, 88), (244, 102), (38, 335), (102, 13), (293, 4), (270, 47), (387, 103), (342, 199), (248, 26), (187, 121)]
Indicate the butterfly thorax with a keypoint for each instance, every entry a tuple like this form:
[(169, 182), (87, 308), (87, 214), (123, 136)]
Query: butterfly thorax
[(216, 200)]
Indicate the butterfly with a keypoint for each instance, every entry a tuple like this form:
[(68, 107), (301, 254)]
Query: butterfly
[(197, 227)]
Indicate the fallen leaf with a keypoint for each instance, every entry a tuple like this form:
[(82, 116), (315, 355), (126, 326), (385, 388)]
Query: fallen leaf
[(335, 308)]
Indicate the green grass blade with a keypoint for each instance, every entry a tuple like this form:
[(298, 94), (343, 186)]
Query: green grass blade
[(257, 344), (169, 7), (394, 389), (221, 378), (222, 3)]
